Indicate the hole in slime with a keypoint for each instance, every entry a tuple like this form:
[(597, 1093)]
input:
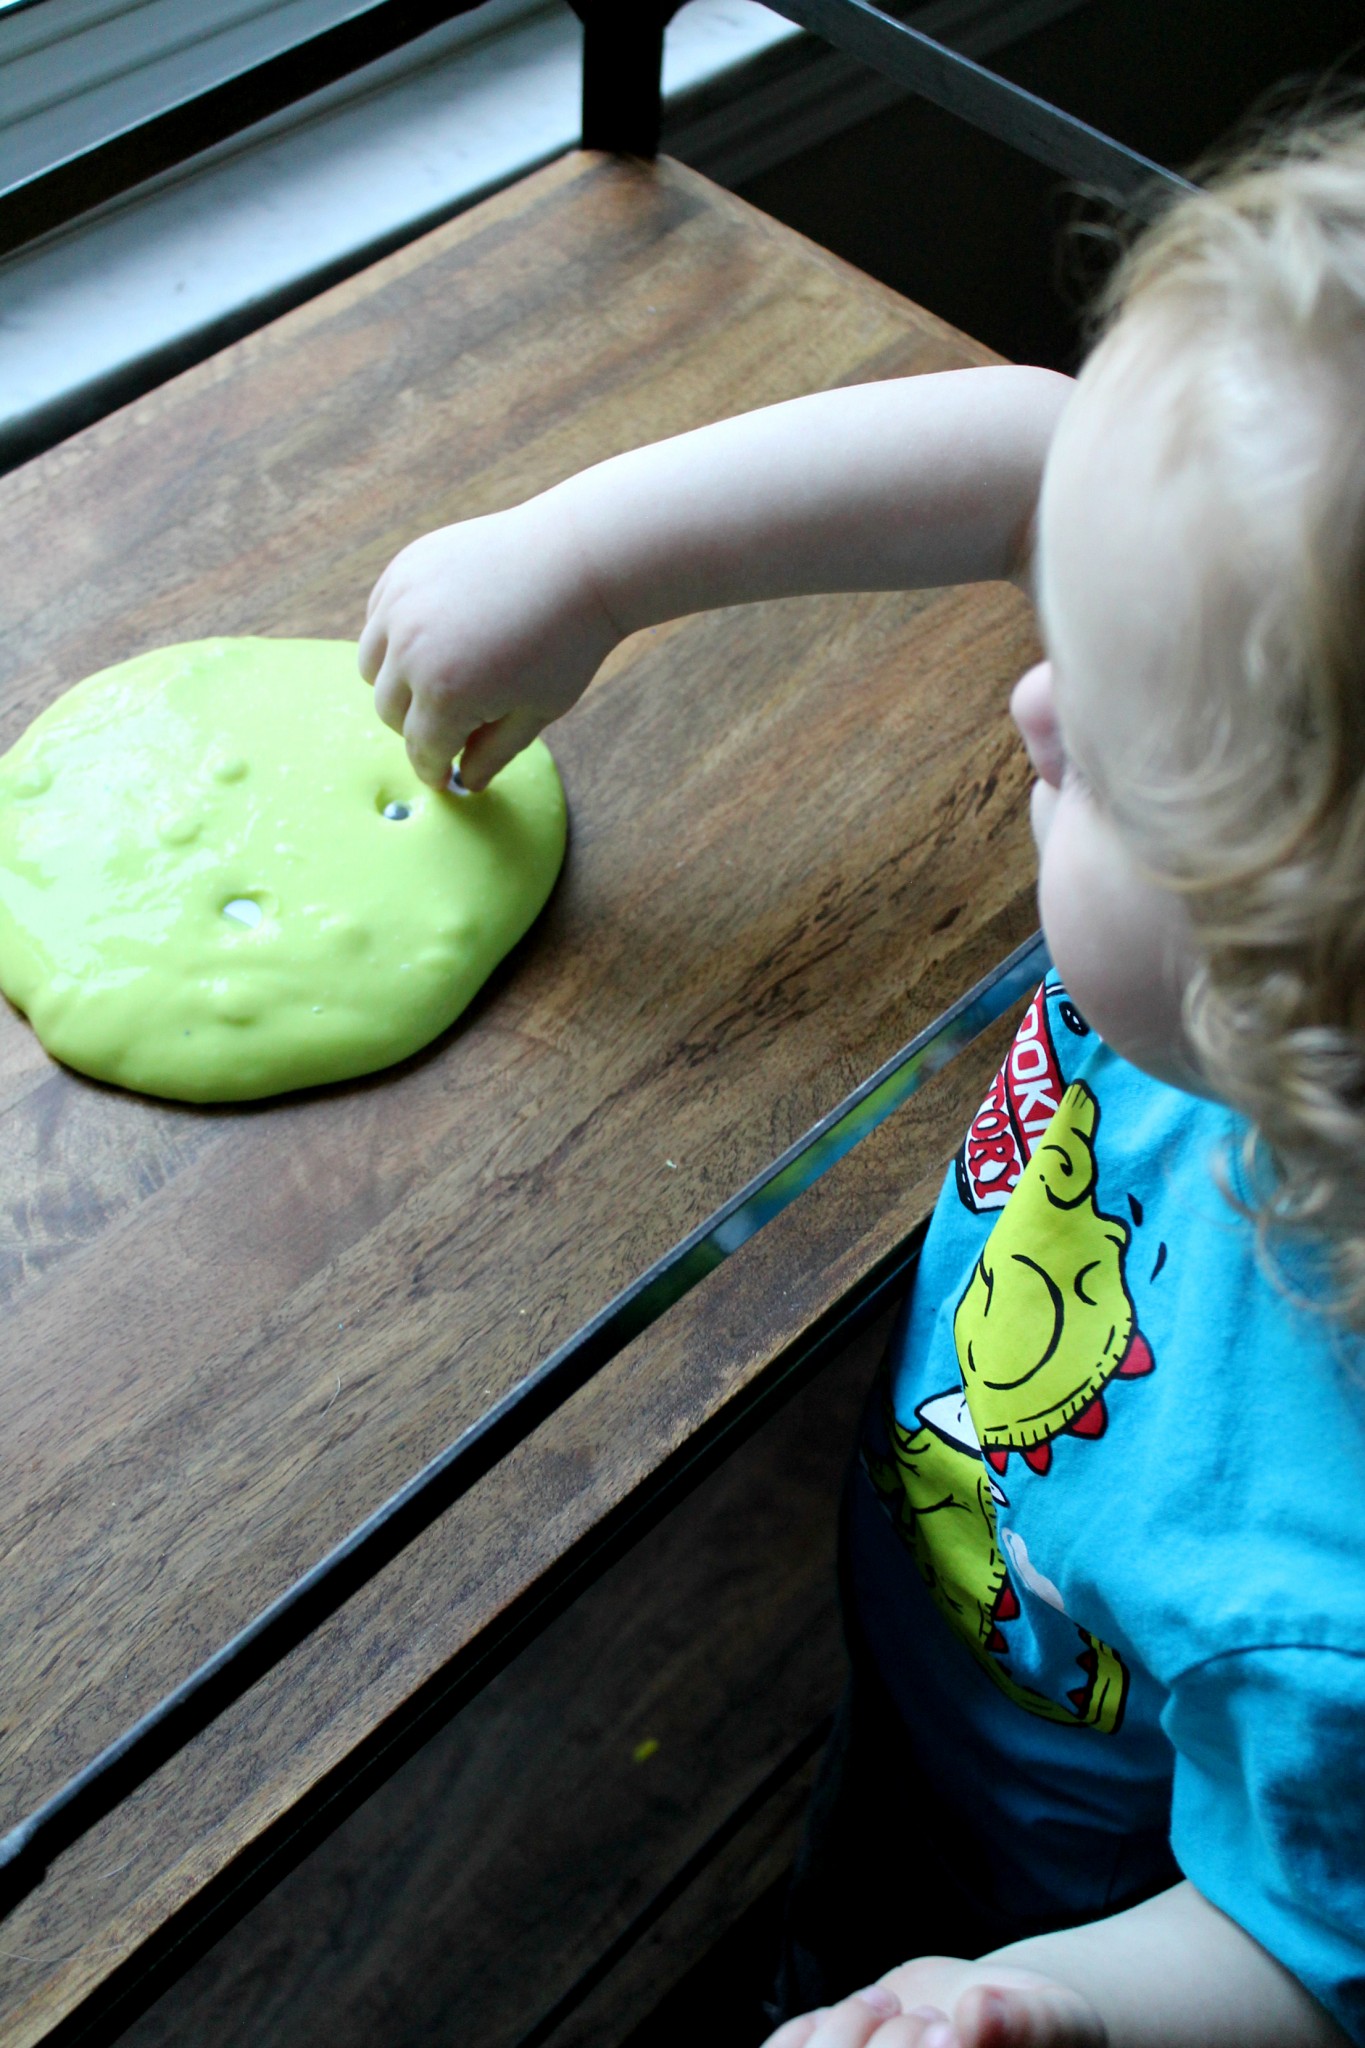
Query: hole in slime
[(243, 910)]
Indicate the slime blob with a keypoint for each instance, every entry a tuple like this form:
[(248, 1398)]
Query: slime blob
[(220, 878)]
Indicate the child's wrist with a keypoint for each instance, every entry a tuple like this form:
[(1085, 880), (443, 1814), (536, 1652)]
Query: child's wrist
[(556, 537), (619, 521)]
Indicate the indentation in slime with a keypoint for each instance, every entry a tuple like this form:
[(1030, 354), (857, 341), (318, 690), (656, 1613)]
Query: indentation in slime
[(244, 910)]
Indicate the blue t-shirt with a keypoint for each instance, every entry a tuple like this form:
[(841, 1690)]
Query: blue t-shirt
[(1107, 1547)]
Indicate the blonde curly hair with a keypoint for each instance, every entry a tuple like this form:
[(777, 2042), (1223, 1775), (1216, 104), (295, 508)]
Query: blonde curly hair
[(1253, 292)]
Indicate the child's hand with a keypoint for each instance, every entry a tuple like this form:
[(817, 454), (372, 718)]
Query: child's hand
[(477, 635), (940, 2002)]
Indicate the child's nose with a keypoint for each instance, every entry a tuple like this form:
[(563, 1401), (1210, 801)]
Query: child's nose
[(1033, 711)]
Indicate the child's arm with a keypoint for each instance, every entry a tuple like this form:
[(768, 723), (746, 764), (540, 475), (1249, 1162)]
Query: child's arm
[(481, 633), (1173, 1972)]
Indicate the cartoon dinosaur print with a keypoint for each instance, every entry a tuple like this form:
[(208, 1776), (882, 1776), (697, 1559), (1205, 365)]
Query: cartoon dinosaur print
[(942, 1500), (940, 1495), (1047, 1320)]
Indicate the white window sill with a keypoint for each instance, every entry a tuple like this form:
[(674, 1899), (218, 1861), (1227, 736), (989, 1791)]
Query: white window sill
[(103, 310), (158, 278)]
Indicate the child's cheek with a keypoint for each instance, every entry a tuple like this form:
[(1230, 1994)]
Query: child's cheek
[(1086, 915), (1119, 942), (1042, 809), (1061, 875)]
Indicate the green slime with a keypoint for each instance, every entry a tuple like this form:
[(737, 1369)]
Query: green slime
[(252, 774)]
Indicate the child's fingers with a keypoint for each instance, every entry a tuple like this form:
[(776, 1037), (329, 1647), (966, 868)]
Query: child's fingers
[(870, 2019), (392, 697), (795, 2033), (1050, 2016), (373, 646), (432, 744), (855, 2022), (490, 747), (375, 595)]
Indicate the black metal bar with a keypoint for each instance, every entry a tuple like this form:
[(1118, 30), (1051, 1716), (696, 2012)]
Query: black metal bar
[(127, 1762), (178, 1942), (623, 52), (985, 100), (623, 58), (34, 205)]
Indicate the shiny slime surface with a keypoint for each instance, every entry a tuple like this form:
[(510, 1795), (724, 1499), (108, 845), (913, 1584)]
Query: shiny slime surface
[(201, 894)]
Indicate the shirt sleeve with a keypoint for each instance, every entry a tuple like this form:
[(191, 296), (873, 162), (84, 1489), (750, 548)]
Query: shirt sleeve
[(1268, 1808)]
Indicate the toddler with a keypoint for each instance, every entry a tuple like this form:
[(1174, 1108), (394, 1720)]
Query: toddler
[(1105, 1739)]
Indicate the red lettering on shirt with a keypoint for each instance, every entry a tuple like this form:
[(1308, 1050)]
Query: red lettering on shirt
[(1020, 1104)]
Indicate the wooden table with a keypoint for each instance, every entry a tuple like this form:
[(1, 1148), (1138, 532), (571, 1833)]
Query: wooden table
[(798, 833)]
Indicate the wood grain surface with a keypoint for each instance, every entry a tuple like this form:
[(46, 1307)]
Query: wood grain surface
[(797, 833)]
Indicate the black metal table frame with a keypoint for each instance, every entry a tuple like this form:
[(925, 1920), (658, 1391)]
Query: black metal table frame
[(623, 45)]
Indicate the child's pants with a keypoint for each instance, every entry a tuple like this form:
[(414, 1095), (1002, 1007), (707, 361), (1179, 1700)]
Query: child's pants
[(888, 1868)]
